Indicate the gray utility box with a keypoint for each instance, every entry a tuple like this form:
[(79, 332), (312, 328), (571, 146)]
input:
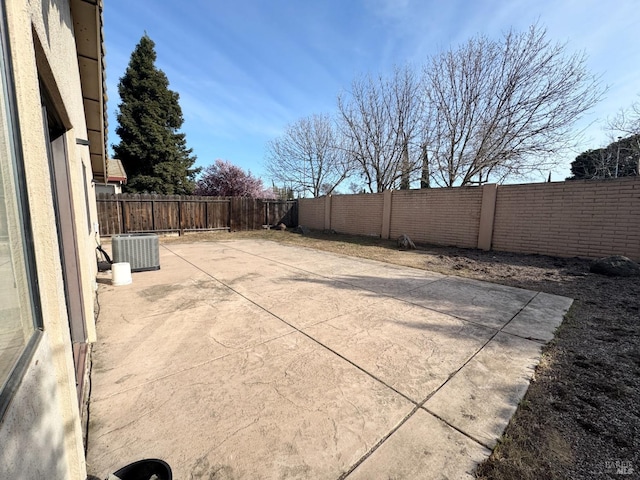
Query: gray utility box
[(140, 250)]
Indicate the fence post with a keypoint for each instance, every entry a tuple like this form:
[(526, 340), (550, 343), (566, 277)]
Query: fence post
[(386, 215), (327, 212), (487, 215), (153, 215), (124, 217)]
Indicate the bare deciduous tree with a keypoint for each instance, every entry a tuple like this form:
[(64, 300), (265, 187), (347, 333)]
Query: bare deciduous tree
[(503, 108), (627, 122), (308, 157), (380, 122)]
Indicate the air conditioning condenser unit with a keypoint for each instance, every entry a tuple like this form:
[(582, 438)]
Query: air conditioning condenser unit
[(140, 250)]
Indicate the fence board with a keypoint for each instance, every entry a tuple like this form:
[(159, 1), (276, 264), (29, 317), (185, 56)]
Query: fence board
[(282, 212), (110, 215), (131, 213), (218, 215), (138, 216), (245, 214), (193, 216), (166, 215)]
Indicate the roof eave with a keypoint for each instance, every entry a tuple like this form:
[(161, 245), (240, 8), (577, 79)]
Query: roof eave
[(88, 31)]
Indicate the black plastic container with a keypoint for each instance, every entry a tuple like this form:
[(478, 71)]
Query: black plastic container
[(145, 469)]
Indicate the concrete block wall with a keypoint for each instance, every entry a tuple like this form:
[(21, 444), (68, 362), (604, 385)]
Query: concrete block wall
[(443, 216), (357, 214), (575, 218), (591, 218), (311, 212)]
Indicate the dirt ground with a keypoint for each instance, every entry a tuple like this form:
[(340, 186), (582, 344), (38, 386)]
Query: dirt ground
[(580, 418)]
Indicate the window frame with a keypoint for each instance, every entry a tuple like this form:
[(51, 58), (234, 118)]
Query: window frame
[(10, 385)]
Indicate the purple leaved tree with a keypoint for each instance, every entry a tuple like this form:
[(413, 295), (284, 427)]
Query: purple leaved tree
[(223, 179)]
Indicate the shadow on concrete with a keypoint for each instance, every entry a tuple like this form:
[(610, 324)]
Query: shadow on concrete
[(425, 293), (555, 273)]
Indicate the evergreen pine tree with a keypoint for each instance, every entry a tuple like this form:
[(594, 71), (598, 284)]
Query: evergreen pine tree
[(153, 152)]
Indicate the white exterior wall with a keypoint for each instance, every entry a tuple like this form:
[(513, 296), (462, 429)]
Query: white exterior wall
[(110, 188), (41, 434), (31, 434)]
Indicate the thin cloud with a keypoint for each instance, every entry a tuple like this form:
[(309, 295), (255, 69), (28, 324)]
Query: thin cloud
[(246, 69)]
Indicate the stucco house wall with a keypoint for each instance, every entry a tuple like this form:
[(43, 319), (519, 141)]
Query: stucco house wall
[(40, 432)]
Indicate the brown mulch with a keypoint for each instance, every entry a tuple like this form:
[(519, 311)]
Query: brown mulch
[(580, 418)]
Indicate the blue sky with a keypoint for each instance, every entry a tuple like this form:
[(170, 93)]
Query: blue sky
[(245, 69)]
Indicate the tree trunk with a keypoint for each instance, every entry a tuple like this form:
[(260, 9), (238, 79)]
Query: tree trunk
[(425, 181), (405, 180)]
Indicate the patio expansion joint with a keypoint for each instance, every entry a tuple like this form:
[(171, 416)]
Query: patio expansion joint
[(279, 262), (388, 435), (417, 405), (400, 299), (302, 332), (471, 322), (421, 405), (357, 287)]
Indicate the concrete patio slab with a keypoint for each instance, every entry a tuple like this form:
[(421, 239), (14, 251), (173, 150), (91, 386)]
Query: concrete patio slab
[(411, 349), (270, 284), (251, 359), (540, 318), (481, 398), (485, 303), (306, 259), (258, 256), (284, 409), (151, 347), (424, 447), (319, 305), (390, 281), (229, 264), (172, 271)]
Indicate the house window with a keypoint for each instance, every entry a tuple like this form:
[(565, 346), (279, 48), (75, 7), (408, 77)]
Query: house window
[(20, 321)]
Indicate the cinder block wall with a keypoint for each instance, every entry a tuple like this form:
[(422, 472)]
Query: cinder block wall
[(357, 214), (591, 218), (311, 212), (443, 216), (575, 218)]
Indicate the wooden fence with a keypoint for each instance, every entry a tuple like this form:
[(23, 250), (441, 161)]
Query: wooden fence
[(146, 213)]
